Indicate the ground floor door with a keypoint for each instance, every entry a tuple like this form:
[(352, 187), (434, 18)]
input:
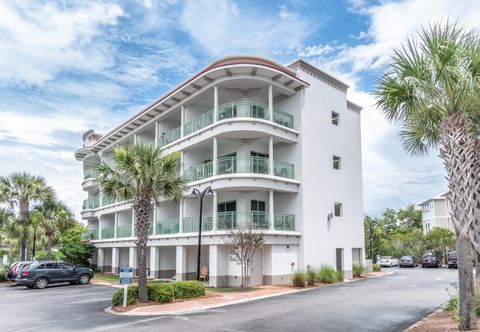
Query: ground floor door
[(256, 270), (339, 259)]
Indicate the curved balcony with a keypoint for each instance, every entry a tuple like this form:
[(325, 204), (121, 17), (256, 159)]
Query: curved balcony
[(91, 234), (237, 109), (90, 203), (124, 231), (107, 233), (168, 226)]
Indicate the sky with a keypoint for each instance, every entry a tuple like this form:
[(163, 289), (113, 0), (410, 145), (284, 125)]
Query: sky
[(68, 66)]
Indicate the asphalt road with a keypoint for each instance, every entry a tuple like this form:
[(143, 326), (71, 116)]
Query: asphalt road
[(388, 303)]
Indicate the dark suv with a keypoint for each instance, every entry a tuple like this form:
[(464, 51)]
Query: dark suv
[(452, 260), (40, 274)]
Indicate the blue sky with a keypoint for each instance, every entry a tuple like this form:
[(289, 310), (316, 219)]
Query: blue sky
[(66, 67)]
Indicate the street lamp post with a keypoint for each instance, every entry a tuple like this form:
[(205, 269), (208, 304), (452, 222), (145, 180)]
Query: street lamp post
[(200, 195)]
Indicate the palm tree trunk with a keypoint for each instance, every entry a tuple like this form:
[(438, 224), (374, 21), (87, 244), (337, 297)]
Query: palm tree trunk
[(142, 210), (457, 150), (34, 242), (24, 206)]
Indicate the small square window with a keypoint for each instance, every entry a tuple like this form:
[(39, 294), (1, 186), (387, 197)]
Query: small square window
[(338, 209), (336, 162), (335, 118)]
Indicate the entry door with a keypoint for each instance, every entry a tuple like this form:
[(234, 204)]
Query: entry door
[(256, 270), (339, 259), (227, 215), (259, 220)]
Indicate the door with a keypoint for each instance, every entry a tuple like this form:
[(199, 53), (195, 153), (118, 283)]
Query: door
[(227, 215), (339, 259), (67, 272), (52, 272), (258, 217), (256, 269)]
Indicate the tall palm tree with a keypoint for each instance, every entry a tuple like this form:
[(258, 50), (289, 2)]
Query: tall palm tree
[(141, 175), (22, 191), (53, 216), (432, 90)]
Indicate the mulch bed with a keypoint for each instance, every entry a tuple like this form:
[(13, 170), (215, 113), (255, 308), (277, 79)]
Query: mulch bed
[(121, 308), (441, 321)]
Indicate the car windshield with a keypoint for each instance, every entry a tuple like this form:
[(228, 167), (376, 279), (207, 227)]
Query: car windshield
[(406, 257)]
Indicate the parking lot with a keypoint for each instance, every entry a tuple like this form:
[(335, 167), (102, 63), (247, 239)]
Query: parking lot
[(396, 301)]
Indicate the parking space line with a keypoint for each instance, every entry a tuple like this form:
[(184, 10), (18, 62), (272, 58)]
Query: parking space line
[(118, 326)]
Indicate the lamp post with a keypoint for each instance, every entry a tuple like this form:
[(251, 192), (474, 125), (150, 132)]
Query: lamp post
[(200, 195)]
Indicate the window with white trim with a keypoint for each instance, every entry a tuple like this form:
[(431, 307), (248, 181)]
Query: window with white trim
[(335, 118), (338, 209), (336, 162)]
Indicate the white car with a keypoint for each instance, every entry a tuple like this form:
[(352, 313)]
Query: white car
[(388, 262)]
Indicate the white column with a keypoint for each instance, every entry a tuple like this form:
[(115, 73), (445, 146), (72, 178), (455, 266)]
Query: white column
[(213, 265), (271, 210), (182, 121), (132, 257), (134, 139), (100, 259), (182, 163), (214, 210), (133, 223), (115, 254), (215, 155), (153, 262), (270, 155), (270, 102), (215, 103), (154, 221), (180, 216), (115, 224), (100, 228), (181, 263), (156, 134)]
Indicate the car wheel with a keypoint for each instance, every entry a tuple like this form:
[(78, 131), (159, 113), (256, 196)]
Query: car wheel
[(41, 283), (423, 265), (84, 279)]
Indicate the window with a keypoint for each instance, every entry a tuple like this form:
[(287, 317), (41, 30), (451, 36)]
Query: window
[(336, 162), (65, 266), (50, 265), (335, 118), (257, 206), (338, 209)]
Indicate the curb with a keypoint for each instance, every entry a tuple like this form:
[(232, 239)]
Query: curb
[(213, 306)]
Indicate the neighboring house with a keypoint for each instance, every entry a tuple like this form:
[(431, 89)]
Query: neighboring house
[(280, 146), (436, 213)]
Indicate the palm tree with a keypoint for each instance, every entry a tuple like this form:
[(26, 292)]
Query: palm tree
[(52, 216), (432, 90), (141, 175), (22, 191)]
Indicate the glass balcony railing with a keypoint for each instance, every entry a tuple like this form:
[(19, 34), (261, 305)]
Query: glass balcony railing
[(108, 233), (124, 231), (283, 169), (230, 165), (199, 172), (89, 173), (282, 118), (169, 137), (190, 224), (168, 226), (285, 222), (107, 200), (90, 234), (198, 123), (257, 220), (90, 203), (242, 109)]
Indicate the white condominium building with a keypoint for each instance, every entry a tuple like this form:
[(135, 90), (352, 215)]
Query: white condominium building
[(280, 147), (436, 213)]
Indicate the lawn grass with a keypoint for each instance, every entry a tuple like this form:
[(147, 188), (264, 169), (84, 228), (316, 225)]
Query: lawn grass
[(107, 277), (230, 289)]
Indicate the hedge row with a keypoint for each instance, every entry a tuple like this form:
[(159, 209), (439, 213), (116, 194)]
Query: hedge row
[(162, 293)]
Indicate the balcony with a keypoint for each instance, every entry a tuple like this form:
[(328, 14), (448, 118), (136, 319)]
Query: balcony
[(90, 203), (91, 234), (257, 220), (90, 173), (238, 109), (108, 233), (190, 224), (124, 231), (108, 200), (285, 222), (168, 226), (283, 169), (199, 172), (230, 165)]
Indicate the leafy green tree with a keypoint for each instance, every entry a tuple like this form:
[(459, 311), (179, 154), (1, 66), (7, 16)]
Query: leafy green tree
[(73, 249), (141, 175), (22, 191), (432, 89), (410, 218), (439, 241)]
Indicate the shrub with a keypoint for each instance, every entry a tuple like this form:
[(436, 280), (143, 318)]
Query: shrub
[(188, 289), (452, 303), (376, 268), (132, 296), (2, 274), (358, 270), (339, 276), (161, 293), (298, 279), (310, 276), (327, 274)]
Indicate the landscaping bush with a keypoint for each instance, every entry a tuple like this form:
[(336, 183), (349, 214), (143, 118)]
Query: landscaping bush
[(358, 270), (132, 296), (2, 274), (188, 289), (376, 268), (298, 279), (310, 276), (339, 276), (452, 303), (161, 293), (327, 274)]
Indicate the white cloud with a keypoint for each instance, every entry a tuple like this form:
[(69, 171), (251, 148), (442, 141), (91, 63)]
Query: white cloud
[(223, 27), (38, 40)]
